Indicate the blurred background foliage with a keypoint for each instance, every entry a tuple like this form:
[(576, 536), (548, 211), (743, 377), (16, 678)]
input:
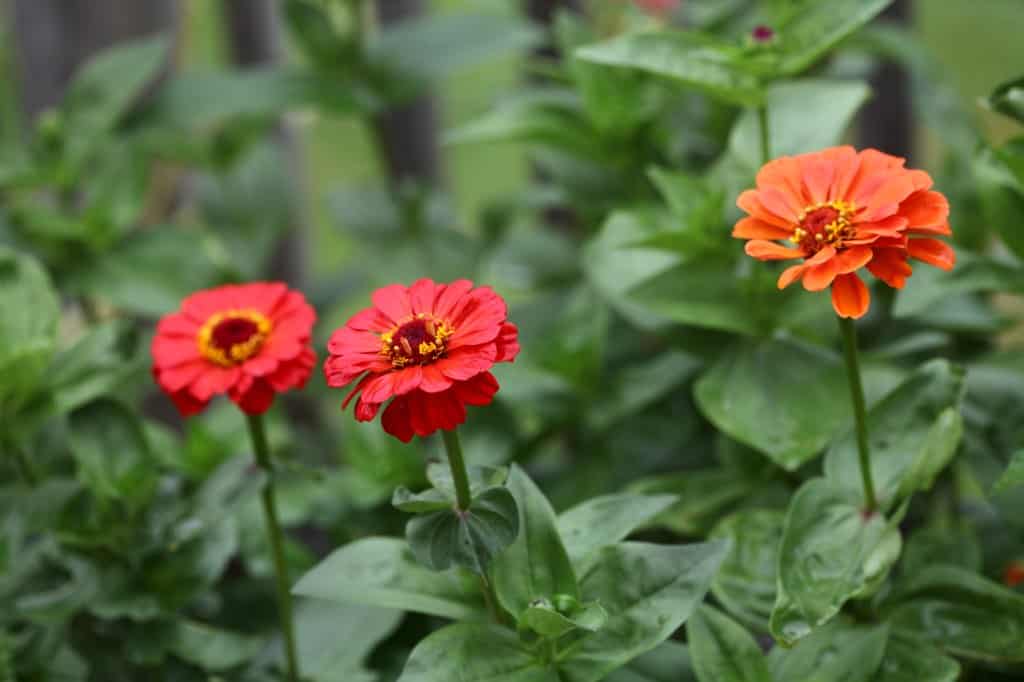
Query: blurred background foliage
[(598, 201)]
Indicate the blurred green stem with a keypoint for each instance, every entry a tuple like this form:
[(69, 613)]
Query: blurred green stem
[(859, 412), (284, 597), (460, 478), (766, 140)]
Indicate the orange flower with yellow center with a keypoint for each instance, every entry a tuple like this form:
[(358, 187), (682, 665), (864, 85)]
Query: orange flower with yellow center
[(840, 210)]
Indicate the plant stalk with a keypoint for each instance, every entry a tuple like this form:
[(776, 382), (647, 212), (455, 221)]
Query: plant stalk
[(762, 125), (859, 411), (274, 534), (463, 498)]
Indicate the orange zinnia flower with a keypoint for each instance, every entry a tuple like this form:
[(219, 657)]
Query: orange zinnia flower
[(842, 210)]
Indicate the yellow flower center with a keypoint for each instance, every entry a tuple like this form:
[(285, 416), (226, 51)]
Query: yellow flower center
[(419, 341), (828, 224), (231, 337)]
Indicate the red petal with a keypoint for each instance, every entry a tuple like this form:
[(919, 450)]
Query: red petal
[(479, 390), (463, 363), (434, 380), (507, 343), (450, 296), (421, 296), (257, 399), (393, 301), (396, 419), (407, 379)]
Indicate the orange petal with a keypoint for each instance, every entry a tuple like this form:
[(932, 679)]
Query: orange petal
[(783, 173), (791, 274), (823, 255), (933, 252), (847, 163), (782, 203), (852, 259), (818, 277), (752, 228), (884, 200), (765, 250), (893, 226), (925, 210), (818, 174), (891, 266), (850, 297), (750, 202)]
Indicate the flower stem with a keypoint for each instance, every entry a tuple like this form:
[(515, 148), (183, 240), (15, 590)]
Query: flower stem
[(284, 597), (859, 412), (458, 467), (762, 124)]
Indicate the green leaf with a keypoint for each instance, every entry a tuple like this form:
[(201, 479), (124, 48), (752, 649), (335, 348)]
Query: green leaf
[(930, 287), (417, 503), (784, 398), (745, 584), (314, 32), (549, 622), (697, 61), (962, 613), (105, 88), (1008, 99), (648, 591), (29, 313), (605, 520), (474, 653), (480, 478), (470, 538), (614, 263), (703, 293), (913, 433), (209, 101), (803, 116), (942, 544), (97, 364), (320, 627), (436, 45), (382, 572), (636, 386), (112, 452), (536, 565), (1013, 476), (999, 179), (838, 652), (817, 26), (703, 495), (135, 276), (213, 648), (668, 662), (830, 553), (722, 651), (910, 659)]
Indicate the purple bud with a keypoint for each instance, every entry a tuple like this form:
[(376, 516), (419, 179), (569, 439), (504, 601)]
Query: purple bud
[(762, 33)]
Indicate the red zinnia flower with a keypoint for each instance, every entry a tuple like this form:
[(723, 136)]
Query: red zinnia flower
[(250, 341), (427, 347), (843, 210)]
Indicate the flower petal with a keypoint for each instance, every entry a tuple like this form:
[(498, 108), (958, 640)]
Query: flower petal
[(819, 276), (393, 302), (850, 296), (933, 252), (421, 296), (791, 274), (891, 266), (396, 419), (765, 250), (752, 228), (852, 259)]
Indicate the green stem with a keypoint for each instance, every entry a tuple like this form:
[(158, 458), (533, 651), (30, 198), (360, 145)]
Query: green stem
[(284, 597), (458, 467), (762, 124), (859, 411)]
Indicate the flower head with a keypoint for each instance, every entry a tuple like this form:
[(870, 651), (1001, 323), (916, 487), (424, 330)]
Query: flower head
[(841, 210), (1014, 574), (428, 349), (250, 341)]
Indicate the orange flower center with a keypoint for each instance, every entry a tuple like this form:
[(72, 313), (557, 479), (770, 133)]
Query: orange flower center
[(418, 341), (231, 337), (824, 225)]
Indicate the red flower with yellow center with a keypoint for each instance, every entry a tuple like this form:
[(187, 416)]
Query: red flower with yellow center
[(250, 341), (841, 210), (428, 349)]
